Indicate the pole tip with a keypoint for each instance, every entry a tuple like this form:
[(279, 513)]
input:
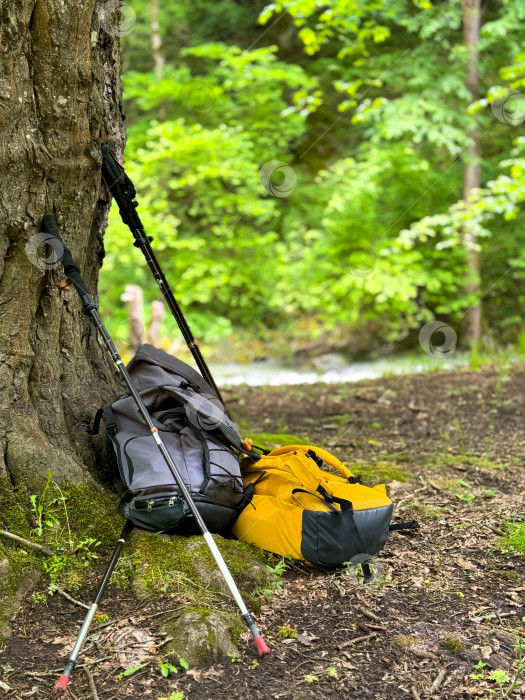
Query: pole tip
[(261, 645), (61, 685)]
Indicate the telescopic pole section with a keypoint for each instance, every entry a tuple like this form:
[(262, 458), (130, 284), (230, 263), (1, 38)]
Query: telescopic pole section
[(63, 681), (90, 308), (124, 192)]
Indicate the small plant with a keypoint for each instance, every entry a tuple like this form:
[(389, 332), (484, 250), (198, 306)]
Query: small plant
[(287, 632), (279, 568), (174, 696), (255, 663), (236, 659), (499, 677), (39, 597), (312, 679), (167, 668), (100, 618), (40, 508), (130, 671), (331, 672)]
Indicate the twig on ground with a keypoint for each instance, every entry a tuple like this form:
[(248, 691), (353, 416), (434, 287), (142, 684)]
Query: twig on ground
[(91, 682), (357, 639), (415, 694), (168, 639), (439, 680), (33, 545), (368, 613), (367, 626), (71, 599)]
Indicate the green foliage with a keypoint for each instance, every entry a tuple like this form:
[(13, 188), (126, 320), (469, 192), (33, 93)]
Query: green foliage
[(287, 632), (131, 671), (41, 508), (166, 668), (373, 117)]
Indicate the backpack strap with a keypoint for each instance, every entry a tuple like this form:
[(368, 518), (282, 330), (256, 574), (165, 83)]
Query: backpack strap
[(329, 505), (109, 419), (413, 525), (318, 452)]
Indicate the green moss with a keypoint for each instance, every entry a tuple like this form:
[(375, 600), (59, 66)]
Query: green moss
[(512, 576), (453, 644), (92, 512), (287, 632), (404, 640), (514, 541), (235, 631), (444, 461), (14, 506), (380, 472), (19, 570), (270, 441), (428, 512), (184, 565)]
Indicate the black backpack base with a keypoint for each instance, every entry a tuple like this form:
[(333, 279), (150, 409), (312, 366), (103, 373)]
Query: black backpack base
[(172, 516)]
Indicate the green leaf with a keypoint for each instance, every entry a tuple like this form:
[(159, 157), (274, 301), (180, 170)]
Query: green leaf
[(133, 669)]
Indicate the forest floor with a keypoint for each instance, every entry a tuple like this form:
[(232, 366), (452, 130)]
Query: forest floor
[(441, 617)]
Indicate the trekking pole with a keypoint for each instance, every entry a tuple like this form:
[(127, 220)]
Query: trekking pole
[(90, 309), (63, 681), (124, 192)]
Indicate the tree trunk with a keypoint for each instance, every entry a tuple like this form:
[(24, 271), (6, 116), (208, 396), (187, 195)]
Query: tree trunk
[(60, 98), (471, 33), (156, 40)]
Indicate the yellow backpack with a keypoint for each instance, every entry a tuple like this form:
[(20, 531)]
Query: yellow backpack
[(309, 513)]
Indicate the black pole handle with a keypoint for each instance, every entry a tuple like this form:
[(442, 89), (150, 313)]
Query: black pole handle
[(49, 225)]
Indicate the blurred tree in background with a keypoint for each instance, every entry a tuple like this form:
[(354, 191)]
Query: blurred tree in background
[(317, 165)]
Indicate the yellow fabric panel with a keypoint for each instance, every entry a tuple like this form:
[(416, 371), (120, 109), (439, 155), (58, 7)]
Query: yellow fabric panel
[(327, 457), (273, 525), (362, 497), (288, 468), (298, 468)]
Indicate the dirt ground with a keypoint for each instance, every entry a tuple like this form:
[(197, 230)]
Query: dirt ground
[(439, 619)]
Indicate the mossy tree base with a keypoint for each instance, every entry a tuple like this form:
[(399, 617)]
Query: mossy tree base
[(207, 625), (201, 635)]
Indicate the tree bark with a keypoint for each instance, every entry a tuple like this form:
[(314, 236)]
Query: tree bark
[(60, 98), (471, 33)]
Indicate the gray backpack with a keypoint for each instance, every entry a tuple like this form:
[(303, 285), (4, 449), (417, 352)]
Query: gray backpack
[(202, 440)]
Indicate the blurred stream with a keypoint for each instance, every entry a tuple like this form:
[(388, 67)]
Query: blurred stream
[(328, 368)]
